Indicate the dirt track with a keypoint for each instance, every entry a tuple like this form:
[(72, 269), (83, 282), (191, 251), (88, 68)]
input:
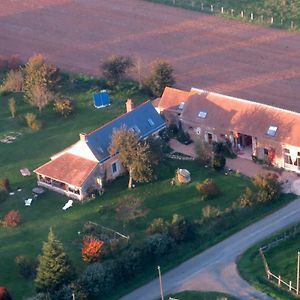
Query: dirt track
[(207, 52)]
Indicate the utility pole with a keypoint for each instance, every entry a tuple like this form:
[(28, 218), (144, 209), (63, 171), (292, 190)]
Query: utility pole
[(298, 267), (160, 283)]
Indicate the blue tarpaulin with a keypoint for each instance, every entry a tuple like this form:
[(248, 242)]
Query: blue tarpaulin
[(101, 99)]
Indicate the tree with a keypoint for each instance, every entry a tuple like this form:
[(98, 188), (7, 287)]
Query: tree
[(12, 218), (38, 73), (13, 81), (40, 96), (135, 155), (219, 162), (64, 107), (115, 67), (160, 77), (203, 152), (4, 294), (91, 250), (208, 188), (12, 107), (54, 268)]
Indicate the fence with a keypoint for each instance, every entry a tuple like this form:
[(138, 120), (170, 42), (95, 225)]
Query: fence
[(259, 17), (292, 232)]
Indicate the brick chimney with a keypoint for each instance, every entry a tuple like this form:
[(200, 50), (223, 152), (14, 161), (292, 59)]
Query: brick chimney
[(129, 105), (82, 137)]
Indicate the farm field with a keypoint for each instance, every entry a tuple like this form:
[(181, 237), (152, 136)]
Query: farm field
[(282, 12), (207, 52), (282, 260), (32, 148)]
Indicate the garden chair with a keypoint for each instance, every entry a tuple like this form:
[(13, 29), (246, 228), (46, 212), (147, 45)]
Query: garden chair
[(28, 202)]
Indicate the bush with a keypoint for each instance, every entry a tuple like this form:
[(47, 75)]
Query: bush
[(247, 198), (203, 153), (219, 162), (98, 279), (224, 148), (160, 244), (208, 189), (92, 249), (267, 187), (158, 226), (4, 294), (32, 121), (64, 107), (181, 229), (12, 218), (210, 212), (27, 268), (13, 81), (4, 185)]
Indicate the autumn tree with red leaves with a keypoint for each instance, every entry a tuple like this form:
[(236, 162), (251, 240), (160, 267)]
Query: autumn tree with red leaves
[(91, 250), (12, 218)]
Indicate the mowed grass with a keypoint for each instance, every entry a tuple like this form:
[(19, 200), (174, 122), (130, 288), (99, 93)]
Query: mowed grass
[(282, 260), (192, 295), (33, 148), (283, 12)]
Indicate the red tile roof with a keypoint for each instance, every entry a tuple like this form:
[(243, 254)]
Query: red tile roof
[(68, 168), (171, 98), (243, 116)]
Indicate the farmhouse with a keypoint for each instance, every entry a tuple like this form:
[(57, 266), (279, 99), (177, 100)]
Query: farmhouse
[(255, 130), (84, 166)]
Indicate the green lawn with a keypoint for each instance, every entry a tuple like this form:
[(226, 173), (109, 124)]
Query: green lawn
[(283, 12), (282, 261), (202, 296), (32, 148)]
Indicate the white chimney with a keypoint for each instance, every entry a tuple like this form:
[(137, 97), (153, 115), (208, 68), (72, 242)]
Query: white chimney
[(129, 105)]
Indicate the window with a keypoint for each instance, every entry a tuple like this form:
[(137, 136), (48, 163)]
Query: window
[(272, 131), (150, 121), (266, 151), (135, 129), (181, 105), (202, 114), (114, 167)]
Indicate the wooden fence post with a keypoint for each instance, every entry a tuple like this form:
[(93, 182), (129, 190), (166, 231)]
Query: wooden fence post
[(242, 14), (202, 6), (272, 20), (222, 10), (211, 8), (251, 16), (231, 11), (292, 24), (279, 280), (290, 286)]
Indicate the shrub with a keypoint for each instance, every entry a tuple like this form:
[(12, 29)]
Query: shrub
[(160, 244), (32, 121), (12, 107), (4, 294), (64, 107), (203, 153), (12, 218), (13, 81), (92, 249), (158, 226), (208, 189), (219, 162), (98, 279), (224, 148), (27, 268), (247, 198), (3, 196), (4, 185), (210, 212), (181, 229), (267, 186)]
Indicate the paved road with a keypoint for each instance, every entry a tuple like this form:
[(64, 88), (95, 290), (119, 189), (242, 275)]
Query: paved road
[(215, 269)]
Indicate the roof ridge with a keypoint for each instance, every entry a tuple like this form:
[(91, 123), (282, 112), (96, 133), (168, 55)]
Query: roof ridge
[(119, 117), (246, 101)]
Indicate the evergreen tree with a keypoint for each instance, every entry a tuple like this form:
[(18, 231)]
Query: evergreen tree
[(54, 267)]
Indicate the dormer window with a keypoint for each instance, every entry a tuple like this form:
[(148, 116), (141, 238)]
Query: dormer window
[(202, 114), (272, 131), (181, 105), (150, 121)]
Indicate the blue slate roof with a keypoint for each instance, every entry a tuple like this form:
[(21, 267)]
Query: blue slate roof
[(144, 120), (101, 99)]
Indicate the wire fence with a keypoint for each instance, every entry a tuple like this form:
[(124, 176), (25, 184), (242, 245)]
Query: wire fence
[(260, 16), (277, 279)]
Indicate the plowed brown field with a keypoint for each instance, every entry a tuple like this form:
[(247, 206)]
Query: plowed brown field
[(207, 52)]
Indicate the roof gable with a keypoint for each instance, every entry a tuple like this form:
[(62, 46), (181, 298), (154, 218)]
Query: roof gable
[(137, 119)]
